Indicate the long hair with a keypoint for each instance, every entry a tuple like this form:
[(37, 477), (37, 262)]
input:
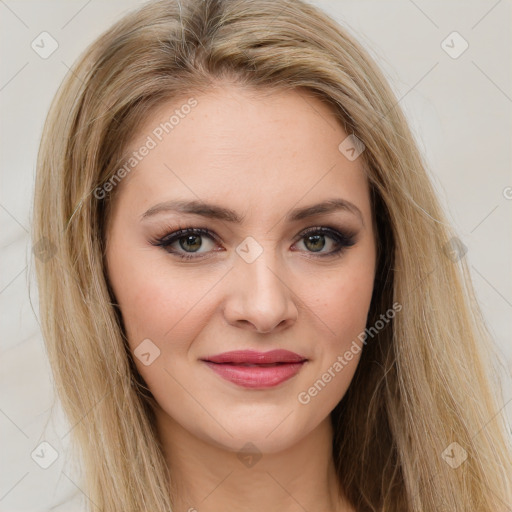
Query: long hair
[(425, 390)]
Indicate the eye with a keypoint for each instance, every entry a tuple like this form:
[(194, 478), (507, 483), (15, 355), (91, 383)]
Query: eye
[(316, 239), (185, 243), (189, 240)]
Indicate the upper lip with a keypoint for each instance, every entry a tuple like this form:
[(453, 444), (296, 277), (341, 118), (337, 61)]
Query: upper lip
[(255, 357)]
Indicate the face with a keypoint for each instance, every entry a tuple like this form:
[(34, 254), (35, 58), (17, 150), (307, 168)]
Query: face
[(214, 247)]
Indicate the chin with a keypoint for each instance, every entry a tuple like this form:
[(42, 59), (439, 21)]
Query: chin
[(257, 435)]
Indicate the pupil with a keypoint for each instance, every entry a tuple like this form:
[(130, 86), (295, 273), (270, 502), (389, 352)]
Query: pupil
[(190, 240), (316, 245)]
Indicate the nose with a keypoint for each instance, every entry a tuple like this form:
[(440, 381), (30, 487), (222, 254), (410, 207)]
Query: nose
[(260, 298)]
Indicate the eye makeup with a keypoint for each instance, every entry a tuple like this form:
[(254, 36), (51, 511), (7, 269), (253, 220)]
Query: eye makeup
[(175, 241)]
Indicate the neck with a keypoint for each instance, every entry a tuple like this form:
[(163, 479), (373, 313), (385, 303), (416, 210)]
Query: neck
[(206, 477)]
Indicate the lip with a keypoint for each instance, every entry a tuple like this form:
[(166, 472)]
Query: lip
[(252, 369)]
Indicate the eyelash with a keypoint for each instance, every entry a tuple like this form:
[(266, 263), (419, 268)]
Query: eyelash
[(343, 240)]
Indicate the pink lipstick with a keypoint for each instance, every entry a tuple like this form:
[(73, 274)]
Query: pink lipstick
[(252, 369)]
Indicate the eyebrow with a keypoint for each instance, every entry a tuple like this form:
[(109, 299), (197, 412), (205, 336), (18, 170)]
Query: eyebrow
[(225, 214)]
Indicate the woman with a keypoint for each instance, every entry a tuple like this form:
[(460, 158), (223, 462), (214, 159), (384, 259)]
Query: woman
[(253, 301)]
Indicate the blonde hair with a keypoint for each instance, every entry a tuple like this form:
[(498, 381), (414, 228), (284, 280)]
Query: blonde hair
[(424, 382)]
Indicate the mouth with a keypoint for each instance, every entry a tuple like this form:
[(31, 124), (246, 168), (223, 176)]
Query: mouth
[(251, 369), (262, 365)]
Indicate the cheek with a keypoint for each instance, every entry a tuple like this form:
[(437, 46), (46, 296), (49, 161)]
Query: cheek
[(160, 305), (341, 315), (158, 301), (340, 307), (163, 312), (340, 300)]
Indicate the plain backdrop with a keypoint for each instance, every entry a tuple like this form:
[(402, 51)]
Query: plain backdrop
[(459, 109)]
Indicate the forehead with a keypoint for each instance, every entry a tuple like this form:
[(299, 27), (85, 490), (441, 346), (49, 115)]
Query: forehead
[(244, 145)]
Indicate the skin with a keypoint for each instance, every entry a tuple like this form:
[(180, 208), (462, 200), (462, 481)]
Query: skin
[(260, 154)]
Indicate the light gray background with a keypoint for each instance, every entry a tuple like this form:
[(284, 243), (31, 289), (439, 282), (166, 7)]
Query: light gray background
[(460, 110)]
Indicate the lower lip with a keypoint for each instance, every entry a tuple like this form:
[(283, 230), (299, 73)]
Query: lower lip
[(256, 376)]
